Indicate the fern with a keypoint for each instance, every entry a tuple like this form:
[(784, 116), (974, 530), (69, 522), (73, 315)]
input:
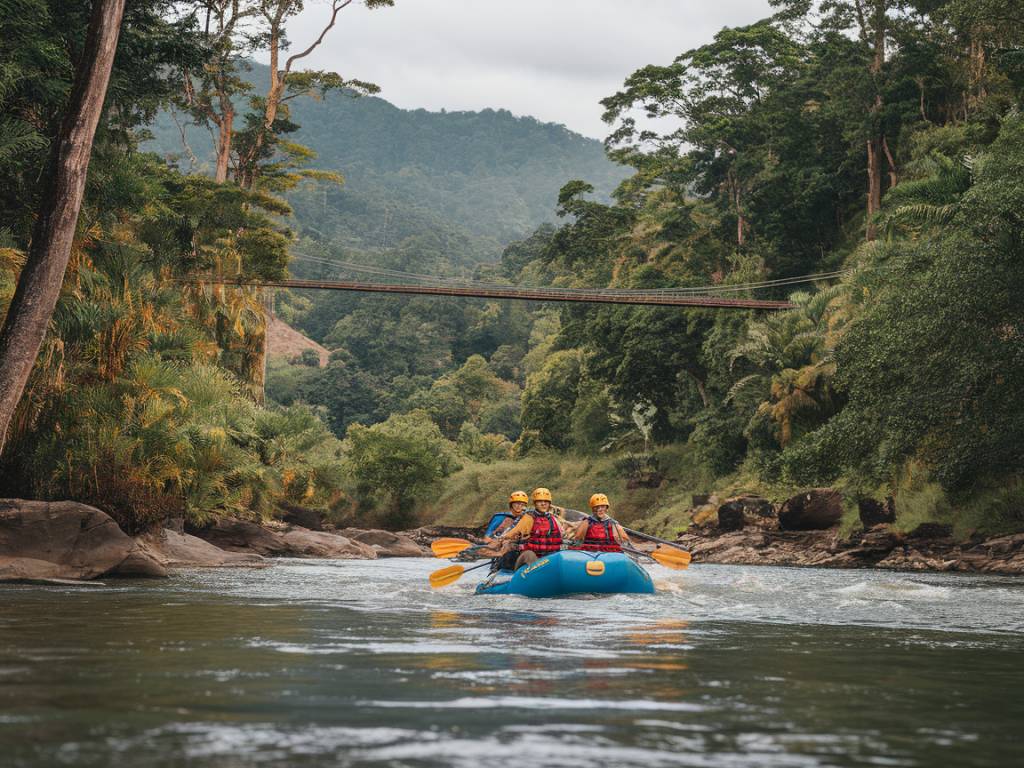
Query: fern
[(18, 139)]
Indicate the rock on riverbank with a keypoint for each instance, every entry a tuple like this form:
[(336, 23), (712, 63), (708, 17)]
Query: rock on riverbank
[(803, 531), (65, 542), (282, 539)]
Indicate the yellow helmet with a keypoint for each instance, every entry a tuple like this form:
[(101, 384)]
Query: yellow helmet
[(599, 500), (541, 494), (518, 496)]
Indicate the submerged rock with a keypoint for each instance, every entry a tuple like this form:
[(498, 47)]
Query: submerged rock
[(67, 540)]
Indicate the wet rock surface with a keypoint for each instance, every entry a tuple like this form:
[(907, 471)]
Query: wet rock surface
[(876, 547), (386, 543), (182, 550), (280, 540), (301, 542), (65, 540)]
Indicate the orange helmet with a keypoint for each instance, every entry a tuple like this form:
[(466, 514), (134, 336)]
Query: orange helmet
[(518, 496), (541, 494), (599, 500)]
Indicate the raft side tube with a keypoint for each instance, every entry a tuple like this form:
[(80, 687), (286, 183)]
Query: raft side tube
[(573, 572)]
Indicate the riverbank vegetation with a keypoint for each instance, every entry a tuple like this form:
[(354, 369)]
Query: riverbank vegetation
[(881, 151), (877, 146)]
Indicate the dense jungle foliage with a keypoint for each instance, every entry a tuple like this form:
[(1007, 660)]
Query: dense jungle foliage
[(878, 143), (885, 149)]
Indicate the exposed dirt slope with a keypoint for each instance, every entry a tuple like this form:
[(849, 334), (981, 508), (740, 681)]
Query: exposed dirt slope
[(287, 342)]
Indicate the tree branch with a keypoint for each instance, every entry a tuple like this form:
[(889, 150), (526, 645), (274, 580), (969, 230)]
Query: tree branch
[(316, 43), (192, 159)]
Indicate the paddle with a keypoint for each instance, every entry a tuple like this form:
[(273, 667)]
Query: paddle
[(675, 559), (451, 574), (638, 535), (451, 547)]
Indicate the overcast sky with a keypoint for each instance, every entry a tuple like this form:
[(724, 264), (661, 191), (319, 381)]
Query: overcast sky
[(552, 59)]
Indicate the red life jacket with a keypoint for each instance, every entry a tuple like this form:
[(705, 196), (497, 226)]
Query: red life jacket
[(545, 536), (600, 536)]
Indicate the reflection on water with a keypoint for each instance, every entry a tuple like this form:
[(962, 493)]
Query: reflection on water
[(359, 664)]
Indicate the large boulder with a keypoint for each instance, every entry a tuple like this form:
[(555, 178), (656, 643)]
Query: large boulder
[(237, 535), (182, 550), (386, 543), (874, 512), (42, 540), (730, 516), (301, 542), (814, 510), (741, 511)]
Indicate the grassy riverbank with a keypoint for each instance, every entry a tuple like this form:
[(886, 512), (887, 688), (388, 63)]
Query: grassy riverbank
[(475, 491)]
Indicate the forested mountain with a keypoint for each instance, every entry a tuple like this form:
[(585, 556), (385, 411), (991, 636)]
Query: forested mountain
[(487, 176)]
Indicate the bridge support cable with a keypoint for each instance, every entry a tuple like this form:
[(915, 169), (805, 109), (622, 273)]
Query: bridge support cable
[(377, 272), (655, 297)]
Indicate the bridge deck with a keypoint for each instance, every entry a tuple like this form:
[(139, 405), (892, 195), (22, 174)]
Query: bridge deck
[(654, 297)]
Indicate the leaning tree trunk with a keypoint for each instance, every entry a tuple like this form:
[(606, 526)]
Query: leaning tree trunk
[(874, 186), (40, 281)]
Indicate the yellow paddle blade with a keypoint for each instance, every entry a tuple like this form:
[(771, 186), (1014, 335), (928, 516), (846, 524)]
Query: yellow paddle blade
[(449, 547), (446, 576), (672, 558)]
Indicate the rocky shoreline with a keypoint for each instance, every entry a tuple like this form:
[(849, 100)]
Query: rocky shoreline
[(804, 531), (67, 542)]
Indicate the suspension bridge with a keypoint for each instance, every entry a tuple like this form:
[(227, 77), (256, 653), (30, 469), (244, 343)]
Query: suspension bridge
[(376, 279), (656, 297)]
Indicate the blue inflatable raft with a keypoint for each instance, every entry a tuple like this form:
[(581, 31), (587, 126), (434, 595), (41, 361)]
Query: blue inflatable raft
[(572, 572)]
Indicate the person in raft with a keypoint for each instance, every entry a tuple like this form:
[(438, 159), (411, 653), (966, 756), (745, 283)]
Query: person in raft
[(502, 522), (599, 533), (537, 533)]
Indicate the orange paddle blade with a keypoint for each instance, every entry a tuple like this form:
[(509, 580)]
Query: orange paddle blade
[(449, 547), (446, 576), (670, 557)]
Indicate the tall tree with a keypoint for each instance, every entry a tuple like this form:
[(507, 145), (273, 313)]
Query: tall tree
[(209, 94), (285, 82), (873, 23), (39, 284)]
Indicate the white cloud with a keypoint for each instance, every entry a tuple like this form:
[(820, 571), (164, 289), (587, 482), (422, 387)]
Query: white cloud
[(553, 59)]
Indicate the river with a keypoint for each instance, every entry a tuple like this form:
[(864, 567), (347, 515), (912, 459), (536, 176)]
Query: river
[(317, 663)]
